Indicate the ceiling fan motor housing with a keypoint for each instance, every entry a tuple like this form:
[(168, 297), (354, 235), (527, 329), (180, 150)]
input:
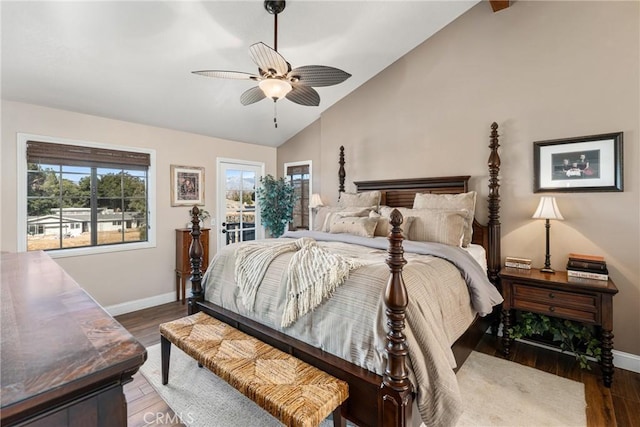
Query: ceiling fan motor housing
[(274, 7)]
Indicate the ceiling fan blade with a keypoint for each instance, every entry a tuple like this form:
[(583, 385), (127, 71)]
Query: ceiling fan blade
[(252, 95), (304, 95), (268, 59), (236, 75), (318, 75)]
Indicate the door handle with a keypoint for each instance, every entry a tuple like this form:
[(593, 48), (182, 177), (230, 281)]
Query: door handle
[(224, 230)]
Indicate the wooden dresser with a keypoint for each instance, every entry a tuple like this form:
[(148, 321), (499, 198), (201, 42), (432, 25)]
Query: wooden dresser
[(183, 264), (64, 359)]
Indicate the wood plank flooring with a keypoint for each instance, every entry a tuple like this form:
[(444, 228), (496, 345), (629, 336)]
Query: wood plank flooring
[(617, 406)]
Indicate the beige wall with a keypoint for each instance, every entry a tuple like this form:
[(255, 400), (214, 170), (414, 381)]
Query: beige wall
[(120, 277), (542, 70)]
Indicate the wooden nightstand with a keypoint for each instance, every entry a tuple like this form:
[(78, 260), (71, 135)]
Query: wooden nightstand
[(590, 302)]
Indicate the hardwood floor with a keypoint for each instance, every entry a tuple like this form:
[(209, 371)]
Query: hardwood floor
[(617, 406), (145, 407)]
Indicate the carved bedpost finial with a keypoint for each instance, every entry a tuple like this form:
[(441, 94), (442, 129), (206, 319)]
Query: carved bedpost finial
[(494, 206), (195, 256), (395, 392), (341, 172)]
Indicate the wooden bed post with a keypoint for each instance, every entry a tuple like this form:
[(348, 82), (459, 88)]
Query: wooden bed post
[(195, 256), (494, 258), (341, 172), (396, 395)]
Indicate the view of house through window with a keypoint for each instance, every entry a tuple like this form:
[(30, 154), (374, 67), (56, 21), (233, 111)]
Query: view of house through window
[(299, 174), (82, 196)]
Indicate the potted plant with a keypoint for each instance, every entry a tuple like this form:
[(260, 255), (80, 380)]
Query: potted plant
[(203, 215), (276, 199)]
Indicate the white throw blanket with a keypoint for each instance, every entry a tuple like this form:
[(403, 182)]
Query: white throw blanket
[(312, 275), (252, 261)]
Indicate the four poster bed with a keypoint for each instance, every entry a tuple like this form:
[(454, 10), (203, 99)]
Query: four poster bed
[(376, 338)]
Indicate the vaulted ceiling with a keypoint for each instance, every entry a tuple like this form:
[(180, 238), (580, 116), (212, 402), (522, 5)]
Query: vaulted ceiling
[(133, 60)]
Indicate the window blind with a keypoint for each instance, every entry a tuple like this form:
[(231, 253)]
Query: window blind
[(74, 155)]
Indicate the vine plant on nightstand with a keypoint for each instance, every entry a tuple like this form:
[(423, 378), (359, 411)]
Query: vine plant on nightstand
[(574, 337)]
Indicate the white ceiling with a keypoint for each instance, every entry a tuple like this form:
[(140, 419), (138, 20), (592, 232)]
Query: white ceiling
[(133, 60)]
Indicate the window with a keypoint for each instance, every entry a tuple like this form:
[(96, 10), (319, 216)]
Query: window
[(84, 197), (299, 175)]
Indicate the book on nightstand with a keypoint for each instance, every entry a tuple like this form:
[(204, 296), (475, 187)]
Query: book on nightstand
[(517, 262), (585, 281), (587, 267)]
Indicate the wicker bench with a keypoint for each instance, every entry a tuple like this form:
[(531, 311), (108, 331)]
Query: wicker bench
[(293, 391)]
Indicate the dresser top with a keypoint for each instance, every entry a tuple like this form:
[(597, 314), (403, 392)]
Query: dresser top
[(55, 338)]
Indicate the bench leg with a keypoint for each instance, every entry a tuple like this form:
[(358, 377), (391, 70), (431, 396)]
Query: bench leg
[(165, 352), (338, 421)]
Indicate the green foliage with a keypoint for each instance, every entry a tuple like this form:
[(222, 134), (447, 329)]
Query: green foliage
[(276, 199), (203, 214), (247, 196), (572, 336), (119, 191)]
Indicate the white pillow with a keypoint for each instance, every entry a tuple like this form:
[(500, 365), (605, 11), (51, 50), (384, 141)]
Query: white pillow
[(343, 212), (454, 202), (358, 226), (383, 228), (320, 216), (434, 225), (366, 198)]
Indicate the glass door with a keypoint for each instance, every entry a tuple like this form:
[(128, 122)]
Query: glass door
[(299, 175), (238, 220)]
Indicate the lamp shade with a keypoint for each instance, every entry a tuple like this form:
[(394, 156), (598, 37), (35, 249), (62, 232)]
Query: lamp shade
[(275, 88), (315, 201), (547, 209)]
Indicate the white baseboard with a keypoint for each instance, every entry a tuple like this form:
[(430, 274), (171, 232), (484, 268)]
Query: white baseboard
[(139, 304), (628, 361)]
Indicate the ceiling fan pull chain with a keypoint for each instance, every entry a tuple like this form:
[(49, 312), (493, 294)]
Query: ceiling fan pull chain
[(275, 114)]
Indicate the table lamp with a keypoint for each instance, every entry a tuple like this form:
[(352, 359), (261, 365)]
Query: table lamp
[(316, 201), (547, 209)]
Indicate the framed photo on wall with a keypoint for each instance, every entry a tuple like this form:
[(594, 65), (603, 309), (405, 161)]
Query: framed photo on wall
[(187, 185), (581, 164)]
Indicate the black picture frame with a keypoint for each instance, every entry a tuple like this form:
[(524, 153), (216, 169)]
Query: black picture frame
[(581, 164)]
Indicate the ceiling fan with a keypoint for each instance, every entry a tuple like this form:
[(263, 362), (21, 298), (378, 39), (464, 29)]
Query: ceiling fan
[(276, 78)]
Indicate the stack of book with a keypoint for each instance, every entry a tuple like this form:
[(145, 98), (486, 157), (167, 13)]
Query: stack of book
[(515, 262), (587, 267)]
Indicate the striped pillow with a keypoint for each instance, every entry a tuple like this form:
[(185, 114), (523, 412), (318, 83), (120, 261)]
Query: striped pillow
[(454, 202), (435, 225)]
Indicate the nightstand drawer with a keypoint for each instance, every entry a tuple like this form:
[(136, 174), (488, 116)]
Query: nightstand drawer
[(557, 311), (586, 302)]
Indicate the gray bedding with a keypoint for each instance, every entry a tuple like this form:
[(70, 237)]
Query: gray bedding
[(445, 294)]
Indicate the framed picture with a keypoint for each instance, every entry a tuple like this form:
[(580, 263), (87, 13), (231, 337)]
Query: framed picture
[(586, 163), (187, 185)]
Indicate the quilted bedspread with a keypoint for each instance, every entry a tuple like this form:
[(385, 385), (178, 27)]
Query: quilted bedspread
[(445, 295)]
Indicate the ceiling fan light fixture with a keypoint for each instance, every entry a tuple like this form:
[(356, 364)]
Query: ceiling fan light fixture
[(275, 88)]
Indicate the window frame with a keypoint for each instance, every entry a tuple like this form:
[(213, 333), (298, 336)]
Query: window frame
[(21, 194)]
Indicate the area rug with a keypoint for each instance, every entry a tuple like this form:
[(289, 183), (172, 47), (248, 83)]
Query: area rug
[(496, 392)]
